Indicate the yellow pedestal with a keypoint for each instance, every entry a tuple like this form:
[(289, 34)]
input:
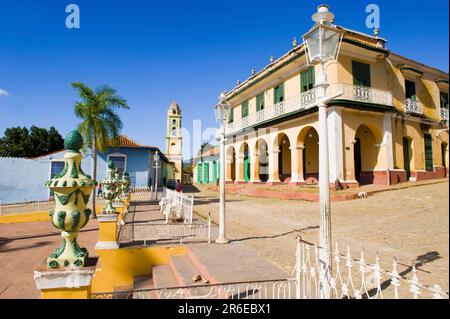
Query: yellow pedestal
[(107, 231), (64, 283)]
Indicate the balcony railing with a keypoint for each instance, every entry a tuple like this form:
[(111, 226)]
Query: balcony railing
[(444, 115), (413, 106), (307, 100)]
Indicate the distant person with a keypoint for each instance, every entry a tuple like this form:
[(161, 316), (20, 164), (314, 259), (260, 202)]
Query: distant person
[(99, 190), (178, 187)]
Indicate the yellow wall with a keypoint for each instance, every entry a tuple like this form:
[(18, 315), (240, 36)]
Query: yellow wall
[(117, 267)]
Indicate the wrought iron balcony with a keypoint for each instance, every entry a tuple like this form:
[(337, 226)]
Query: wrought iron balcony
[(413, 106), (444, 115), (307, 100), (360, 94)]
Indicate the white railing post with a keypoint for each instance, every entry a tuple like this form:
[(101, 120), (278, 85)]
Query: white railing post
[(298, 269), (209, 228)]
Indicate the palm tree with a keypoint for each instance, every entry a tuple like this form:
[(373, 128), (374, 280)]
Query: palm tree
[(100, 124)]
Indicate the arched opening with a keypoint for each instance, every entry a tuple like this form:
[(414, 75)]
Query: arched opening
[(231, 164), (311, 156), (262, 160), (407, 156), (284, 157), (365, 155), (444, 155), (244, 151)]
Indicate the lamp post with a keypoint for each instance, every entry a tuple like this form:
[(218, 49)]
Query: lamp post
[(221, 110), (156, 159), (322, 44)]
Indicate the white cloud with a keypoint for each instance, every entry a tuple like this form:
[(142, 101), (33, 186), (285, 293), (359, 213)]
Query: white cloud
[(3, 93)]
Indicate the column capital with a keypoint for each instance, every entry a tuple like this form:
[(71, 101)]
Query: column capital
[(301, 147)]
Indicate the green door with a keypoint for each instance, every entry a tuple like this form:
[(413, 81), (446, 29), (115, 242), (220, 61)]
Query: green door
[(406, 158), (443, 149), (428, 152), (214, 172), (205, 173), (361, 73), (199, 172), (246, 168)]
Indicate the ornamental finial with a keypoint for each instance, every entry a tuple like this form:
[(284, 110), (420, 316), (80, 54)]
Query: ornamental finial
[(73, 141), (294, 42)]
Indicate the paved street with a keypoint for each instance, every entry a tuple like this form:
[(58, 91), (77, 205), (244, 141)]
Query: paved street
[(411, 224)]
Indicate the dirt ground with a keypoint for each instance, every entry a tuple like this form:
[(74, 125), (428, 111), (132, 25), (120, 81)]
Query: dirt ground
[(410, 224)]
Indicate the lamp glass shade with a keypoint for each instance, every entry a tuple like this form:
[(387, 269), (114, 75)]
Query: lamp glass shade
[(322, 42), (222, 110)]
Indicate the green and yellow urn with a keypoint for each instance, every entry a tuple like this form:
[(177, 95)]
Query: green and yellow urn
[(72, 189)]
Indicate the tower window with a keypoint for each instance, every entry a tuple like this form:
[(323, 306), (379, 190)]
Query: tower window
[(174, 131), (174, 122)]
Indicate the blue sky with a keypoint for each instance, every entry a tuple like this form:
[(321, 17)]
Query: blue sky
[(153, 52)]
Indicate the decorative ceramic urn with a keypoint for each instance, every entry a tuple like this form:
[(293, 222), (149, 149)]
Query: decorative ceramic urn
[(125, 186), (109, 189), (118, 181), (72, 189)]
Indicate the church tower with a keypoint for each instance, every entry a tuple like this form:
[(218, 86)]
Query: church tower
[(174, 139)]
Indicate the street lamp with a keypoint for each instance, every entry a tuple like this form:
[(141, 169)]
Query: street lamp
[(156, 159), (221, 110), (322, 44)]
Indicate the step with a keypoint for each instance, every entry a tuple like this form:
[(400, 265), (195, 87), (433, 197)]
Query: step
[(164, 277), (184, 270), (123, 292), (141, 283)]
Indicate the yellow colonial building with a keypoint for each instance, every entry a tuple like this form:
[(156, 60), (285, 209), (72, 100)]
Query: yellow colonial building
[(389, 125)]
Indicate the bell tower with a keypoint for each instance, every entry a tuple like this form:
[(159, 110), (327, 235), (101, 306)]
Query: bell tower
[(174, 139)]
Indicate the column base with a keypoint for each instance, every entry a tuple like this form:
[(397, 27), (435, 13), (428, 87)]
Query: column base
[(298, 183), (273, 183), (256, 182), (237, 182), (222, 241), (64, 283)]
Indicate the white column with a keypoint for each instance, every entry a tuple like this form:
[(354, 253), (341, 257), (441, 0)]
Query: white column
[(194, 174), (211, 171), (387, 140), (335, 144), (222, 239)]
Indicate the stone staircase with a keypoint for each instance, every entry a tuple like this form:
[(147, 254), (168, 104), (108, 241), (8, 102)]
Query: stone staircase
[(207, 265), (180, 272)]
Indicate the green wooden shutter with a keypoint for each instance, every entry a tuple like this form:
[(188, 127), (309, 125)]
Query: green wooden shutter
[(278, 95), (260, 102), (307, 79), (410, 90), (444, 100), (361, 73), (244, 109), (231, 116), (428, 152)]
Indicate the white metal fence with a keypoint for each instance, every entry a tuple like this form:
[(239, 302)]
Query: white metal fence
[(25, 207), (155, 232), (177, 206), (355, 278)]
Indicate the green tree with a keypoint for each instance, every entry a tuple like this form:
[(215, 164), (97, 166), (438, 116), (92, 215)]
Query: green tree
[(33, 142), (100, 122)]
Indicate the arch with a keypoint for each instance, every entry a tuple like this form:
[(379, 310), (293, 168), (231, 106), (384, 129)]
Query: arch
[(444, 157), (308, 142), (244, 154), (365, 154), (230, 164), (283, 162), (261, 164)]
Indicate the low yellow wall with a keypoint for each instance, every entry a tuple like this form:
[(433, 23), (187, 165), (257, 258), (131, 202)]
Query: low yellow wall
[(29, 217), (117, 267), (25, 218)]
